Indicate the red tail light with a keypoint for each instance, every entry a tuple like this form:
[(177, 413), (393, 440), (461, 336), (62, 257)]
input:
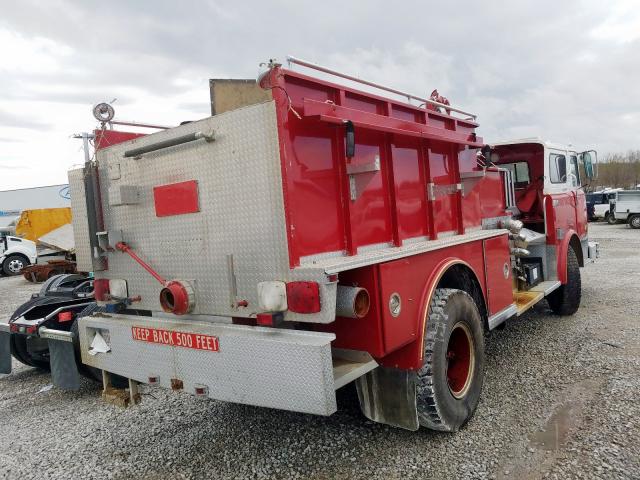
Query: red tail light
[(65, 316), (303, 297), (101, 289), (269, 319), (264, 319)]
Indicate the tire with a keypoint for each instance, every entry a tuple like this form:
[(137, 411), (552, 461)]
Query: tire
[(634, 221), (565, 300), (84, 370), (20, 351), (610, 219), (14, 264), (450, 381)]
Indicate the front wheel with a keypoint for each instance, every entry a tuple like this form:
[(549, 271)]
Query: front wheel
[(450, 381), (565, 300), (634, 221), (14, 264), (610, 218)]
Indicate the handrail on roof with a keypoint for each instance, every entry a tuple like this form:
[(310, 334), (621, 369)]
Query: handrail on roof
[(409, 96)]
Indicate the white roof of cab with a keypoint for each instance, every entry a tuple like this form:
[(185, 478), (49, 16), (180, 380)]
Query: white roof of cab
[(546, 143)]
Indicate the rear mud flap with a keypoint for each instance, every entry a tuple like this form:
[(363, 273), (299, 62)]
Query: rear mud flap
[(5, 352), (64, 371), (388, 395)]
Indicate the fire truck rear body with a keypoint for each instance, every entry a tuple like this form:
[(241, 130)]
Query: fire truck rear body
[(291, 258)]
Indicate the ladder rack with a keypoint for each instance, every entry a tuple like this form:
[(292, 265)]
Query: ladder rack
[(408, 96)]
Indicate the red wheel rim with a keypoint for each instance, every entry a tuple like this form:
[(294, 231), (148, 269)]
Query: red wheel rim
[(460, 360)]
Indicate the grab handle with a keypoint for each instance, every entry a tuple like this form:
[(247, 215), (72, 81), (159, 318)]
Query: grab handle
[(172, 142)]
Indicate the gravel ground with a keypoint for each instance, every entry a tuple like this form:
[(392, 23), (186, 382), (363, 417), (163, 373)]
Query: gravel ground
[(560, 401)]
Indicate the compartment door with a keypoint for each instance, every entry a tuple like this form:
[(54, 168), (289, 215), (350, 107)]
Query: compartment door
[(497, 264), (369, 208)]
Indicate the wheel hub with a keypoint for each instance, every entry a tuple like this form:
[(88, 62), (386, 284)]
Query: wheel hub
[(15, 266), (460, 360)]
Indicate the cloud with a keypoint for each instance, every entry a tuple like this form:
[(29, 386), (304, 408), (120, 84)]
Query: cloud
[(570, 76), (10, 120), (4, 166)]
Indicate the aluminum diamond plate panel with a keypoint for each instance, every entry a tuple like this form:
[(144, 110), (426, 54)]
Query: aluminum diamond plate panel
[(276, 368), (79, 220), (241, 214)]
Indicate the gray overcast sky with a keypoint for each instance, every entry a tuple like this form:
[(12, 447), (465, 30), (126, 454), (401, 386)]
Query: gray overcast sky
[(567, 71)]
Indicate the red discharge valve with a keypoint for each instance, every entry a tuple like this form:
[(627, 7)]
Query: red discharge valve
[(176, 296)]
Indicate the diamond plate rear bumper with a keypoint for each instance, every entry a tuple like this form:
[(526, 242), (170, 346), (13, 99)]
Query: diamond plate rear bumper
[(266, 367)]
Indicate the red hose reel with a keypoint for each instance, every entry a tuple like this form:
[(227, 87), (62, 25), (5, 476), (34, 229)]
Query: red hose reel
[(176, 296)]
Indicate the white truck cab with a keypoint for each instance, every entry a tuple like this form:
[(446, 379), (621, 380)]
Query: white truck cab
[(557, 164), (16, 253)]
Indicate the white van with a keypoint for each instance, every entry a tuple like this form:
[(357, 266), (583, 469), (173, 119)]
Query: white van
[(626, 207)]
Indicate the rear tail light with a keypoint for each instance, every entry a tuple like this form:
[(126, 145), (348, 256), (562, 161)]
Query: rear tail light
[(200, 390), (101, 290), (272, 296), (297, 297), (303, 297), (269, 319), (65, 316), (22, 329)]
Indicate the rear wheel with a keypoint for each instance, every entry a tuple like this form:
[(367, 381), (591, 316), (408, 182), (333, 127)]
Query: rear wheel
[(14, 264), (21, 347), (84, 370), (634, 221), (450, 381), (565, 300)]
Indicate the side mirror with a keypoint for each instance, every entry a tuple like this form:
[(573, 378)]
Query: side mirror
[(350, 139), (590, 163)]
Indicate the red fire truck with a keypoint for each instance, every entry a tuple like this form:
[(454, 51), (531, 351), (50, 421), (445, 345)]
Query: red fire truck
[(273, 253)]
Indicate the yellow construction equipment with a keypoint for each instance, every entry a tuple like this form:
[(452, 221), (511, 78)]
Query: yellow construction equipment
[(35, 224)]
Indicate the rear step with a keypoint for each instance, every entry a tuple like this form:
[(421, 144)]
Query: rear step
[(349, 365), (525, 299)]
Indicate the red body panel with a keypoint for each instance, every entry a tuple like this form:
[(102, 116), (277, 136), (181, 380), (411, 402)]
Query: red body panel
[(361, 333), (497, 261), (397, 341), (107, 138), (414, 147), (176, 199), (417, 178)]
